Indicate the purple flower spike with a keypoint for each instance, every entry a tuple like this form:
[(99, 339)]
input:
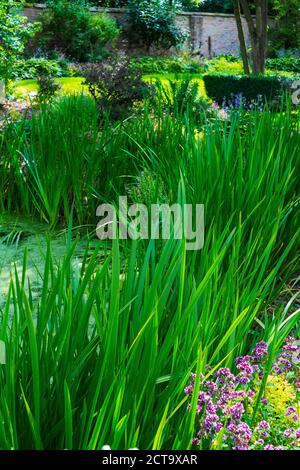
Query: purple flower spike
[(260, 350)]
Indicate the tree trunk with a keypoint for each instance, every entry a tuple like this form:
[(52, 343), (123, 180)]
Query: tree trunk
[(243, 47), (258, 32)]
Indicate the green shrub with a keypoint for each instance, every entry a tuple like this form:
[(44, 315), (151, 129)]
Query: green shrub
[(152, 23), (226, 65), (168, 64), (15, 31), (285, 64), (115, 86), (104, 29), (228, 57), (32, 68), (72, 30), (284, 32), (47, 89), (220, 86)]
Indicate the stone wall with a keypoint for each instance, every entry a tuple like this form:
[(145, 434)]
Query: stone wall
[(210, 34)]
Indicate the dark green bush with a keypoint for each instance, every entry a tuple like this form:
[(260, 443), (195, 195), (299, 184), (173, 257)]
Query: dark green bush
[(74, 31), (220, 87), (284, 32), (213, 6)]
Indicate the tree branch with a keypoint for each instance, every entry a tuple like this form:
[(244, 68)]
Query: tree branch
[(238, 19), (248, 16)]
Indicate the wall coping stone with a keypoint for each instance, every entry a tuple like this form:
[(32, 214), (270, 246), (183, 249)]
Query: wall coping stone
[(122, 10)]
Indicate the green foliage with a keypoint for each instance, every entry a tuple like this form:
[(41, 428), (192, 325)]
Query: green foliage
[(168, 64), (220, 6), (182, 97), (115, 332), (152, 23), (32, 68), (211, 6), (15, 31), (286, 32), (62, 131), (48, 88), (220, 86), (147, 189), (232, 65), (286, 64), (103, 30), (224, 64), (102, 354), (115, 86), (71, 29), (109, 3)]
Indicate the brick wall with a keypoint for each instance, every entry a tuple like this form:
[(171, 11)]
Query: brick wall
[(210, 34), (220, 36)]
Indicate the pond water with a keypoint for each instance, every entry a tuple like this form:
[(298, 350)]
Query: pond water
[(18, 234)]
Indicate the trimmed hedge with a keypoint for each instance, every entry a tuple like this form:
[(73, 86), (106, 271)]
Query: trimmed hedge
[(220, 87)]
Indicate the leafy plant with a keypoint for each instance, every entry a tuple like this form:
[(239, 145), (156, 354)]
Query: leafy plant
[(213, 6), (285, 34), (70, 28), (147, 189), (35, 66), (168, 64), (104, 30), (115, 332), (225, 65), (48, 88), (182, 97), (15, 30), (115, 86), (153, 24), (286, 64)]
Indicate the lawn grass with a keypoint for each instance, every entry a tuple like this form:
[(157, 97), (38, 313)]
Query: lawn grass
[(70, 85)]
